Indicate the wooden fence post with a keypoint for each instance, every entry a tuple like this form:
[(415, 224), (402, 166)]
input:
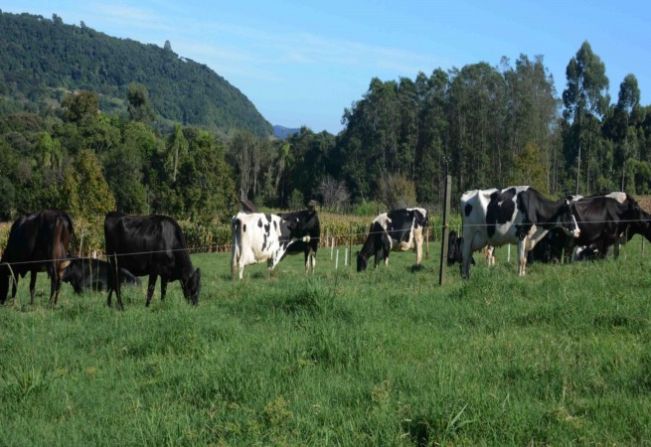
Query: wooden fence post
[(350, 243), (446, 230)]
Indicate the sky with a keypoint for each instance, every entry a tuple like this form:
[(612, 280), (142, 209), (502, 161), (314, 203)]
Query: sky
[(303, 62)]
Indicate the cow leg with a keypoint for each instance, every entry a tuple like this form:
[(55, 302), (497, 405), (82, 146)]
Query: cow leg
[(313, 261), (151, 285), (466, 255), (32, 286), (418, 240), (522, 257), (14, 287), (307, 261), (163, 288)]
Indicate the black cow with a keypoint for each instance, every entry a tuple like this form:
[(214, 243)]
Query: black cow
[(305, 223), (88, 273), (149, 245), (397, 230), (604, 221), (36, 242)]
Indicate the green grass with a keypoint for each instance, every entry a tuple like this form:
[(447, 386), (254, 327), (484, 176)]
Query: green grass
[(381, 358)]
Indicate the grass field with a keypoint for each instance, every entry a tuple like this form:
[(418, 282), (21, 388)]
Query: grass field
[(381, 358)]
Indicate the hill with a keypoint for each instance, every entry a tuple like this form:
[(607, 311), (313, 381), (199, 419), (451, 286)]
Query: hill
[(283, 132), (42, 59)]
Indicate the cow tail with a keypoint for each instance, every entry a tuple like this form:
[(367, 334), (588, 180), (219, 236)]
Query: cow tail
[(236, 228)]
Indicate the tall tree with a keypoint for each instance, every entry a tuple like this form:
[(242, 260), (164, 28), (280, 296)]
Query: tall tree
[(586, 101)]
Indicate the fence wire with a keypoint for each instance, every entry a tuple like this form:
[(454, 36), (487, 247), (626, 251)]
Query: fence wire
[(331, 241)]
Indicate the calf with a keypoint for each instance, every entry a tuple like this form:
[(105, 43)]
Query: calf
[(306, 223), (260, 237), (36, 242), (397, 230), (515, 215), (88, 273), (149, 245)]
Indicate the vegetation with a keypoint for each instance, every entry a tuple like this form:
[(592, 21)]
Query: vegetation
[(381, 358), (486, 126), (43, 59)]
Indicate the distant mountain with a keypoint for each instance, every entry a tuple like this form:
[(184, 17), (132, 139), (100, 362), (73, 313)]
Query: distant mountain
[(282, 132), (42, 59)]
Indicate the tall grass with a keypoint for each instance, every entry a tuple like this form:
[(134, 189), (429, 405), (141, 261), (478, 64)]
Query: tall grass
[(381, 358)]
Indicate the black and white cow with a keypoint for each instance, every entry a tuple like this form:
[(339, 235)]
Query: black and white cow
[(593, 213), (608, 220), (397, 230), (515, 215), (306, 223), (260, 237)]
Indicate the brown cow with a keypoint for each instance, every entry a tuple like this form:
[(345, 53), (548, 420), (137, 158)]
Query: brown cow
[(36, 242)]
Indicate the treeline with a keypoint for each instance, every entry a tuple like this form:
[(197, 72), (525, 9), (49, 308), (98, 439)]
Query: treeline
[(43, 60), (487, 126), (87, 163)]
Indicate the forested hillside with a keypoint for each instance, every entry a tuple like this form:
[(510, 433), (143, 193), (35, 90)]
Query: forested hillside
[(43, 59)]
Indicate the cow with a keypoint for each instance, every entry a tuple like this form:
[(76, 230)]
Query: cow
[(260, 237), (36, 242), (455, 246), (550, 249), (89, 273), (149, 245), (398, 230), (306, 224), (607, 220), (514, 215)]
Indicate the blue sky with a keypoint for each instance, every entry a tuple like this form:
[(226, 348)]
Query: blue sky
[(303, 62)]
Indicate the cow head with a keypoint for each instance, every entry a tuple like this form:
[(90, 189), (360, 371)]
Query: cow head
[(192, 286), (566, 220), (640, 220), (362, 261), (73, 275)]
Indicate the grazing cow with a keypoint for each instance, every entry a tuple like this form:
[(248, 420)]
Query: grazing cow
[(306, 224), (515, 215), (397, 230), (36, 242), (259, 237), (455, 246), (89, 273), (606, 220), (149, 245)]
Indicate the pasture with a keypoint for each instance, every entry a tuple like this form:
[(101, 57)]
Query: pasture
[(386, 357)]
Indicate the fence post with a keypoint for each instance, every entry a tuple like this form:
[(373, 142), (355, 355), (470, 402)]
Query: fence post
[(427, 242), (642, 245), (350, 243), (337, 260), (446, 230)]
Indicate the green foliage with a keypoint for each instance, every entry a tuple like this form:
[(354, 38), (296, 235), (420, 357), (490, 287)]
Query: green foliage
[(529, 168), (95, 196), (42, 57)]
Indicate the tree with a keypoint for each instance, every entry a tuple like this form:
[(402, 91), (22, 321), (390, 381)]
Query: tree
[(586, 101), (138, 103), (80, 105), (177, 148), (95, 196)]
